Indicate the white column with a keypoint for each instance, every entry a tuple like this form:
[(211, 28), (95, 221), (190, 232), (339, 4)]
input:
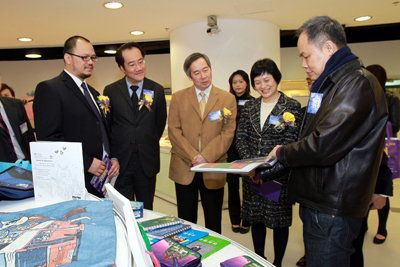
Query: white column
[(238, 45)]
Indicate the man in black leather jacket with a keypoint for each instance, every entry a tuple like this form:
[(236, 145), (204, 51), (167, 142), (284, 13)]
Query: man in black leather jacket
[(336, 160)]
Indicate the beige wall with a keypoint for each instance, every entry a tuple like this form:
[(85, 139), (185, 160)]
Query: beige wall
[(23, 76), (385, 53)]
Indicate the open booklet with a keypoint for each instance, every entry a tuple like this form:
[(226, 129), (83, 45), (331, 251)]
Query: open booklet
[(237, 166)]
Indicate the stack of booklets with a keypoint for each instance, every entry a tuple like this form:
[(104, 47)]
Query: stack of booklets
[(189, 236), (240, 261), (171, 254), (208, 245), (163, 227)]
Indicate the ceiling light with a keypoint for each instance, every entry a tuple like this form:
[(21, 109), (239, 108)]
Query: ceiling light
[(363, 18), (113, 5), (110, 51), (25, 39), (33, 54), (137, 32)]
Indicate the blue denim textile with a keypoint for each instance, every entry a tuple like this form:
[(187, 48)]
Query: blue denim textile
[(328, 238)]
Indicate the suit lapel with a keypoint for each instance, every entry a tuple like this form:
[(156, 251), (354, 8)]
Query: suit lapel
[(144, 109), (124, 92), (12, 115), (192, 98), (75, 89), (212, 100), (255, 115)]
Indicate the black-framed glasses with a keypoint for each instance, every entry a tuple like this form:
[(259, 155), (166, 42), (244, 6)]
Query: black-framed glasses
[(84, 58)]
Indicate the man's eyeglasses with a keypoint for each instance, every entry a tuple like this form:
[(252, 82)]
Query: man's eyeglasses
[(85, 58)]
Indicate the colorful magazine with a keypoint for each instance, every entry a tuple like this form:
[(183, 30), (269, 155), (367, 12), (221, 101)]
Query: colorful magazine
[(171, 230), (208, 245), (170, 254), (241, 261), (188, 236), (160, 222), (237, 166)]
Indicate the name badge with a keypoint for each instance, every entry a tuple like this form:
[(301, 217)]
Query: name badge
[(215, 116), (274, 120), (148, 92), (314, 103), (241, 102), (23, 127)]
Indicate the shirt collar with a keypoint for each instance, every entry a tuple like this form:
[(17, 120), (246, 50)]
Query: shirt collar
[(76, 79), (129, 84), (206, 91)]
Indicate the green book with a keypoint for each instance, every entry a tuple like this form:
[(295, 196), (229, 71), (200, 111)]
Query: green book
[(160, 222), (208, 245)]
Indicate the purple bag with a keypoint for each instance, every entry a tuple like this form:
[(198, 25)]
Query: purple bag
[(392, 149), (270, 190)]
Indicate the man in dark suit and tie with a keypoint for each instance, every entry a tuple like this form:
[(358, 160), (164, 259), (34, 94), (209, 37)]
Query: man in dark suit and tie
[(137, 119), (15, 131), (65, 109)]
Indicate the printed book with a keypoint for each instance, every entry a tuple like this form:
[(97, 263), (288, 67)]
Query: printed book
[(189, 236), (171, 230), (208, 245), (170, 254), (241, 261), (237, 166), (160, 222)]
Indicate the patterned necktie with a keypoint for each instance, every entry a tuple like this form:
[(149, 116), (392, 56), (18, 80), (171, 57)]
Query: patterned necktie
[(134, 97), (202, 103), (6, 132), (104, 135)]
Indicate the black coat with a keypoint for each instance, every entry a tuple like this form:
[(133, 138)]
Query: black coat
[(251, 142), (338, 155), (19, 122), (62, 113), (137, 132)]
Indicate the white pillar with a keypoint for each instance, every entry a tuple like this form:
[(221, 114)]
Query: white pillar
[(238, 45)]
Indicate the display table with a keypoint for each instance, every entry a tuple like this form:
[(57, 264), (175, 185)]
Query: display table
[(123, 253), (232, 250)]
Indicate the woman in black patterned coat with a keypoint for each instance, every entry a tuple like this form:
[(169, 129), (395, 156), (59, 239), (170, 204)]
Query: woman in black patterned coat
[(262, 127)]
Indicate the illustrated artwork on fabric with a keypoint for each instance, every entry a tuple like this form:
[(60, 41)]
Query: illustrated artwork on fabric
[(57, 235)]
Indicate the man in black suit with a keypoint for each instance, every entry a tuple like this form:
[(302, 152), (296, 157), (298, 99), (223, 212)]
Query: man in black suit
[(15, 130), (137, 118), (65, 109)]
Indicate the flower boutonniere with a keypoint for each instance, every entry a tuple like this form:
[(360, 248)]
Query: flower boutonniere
[(220, 115), (104, 103), (147, 99), (287, 119)]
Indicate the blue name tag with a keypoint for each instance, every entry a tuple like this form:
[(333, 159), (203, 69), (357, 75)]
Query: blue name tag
[(314, 103), (274, 119), (214, 116), (148, 92)]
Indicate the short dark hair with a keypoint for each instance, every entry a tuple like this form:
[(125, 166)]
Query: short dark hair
[(379, 72), (118, 56), (265, 66), (70, 43), (192, 58), (5, 86), (322, 28), (245, 78)]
